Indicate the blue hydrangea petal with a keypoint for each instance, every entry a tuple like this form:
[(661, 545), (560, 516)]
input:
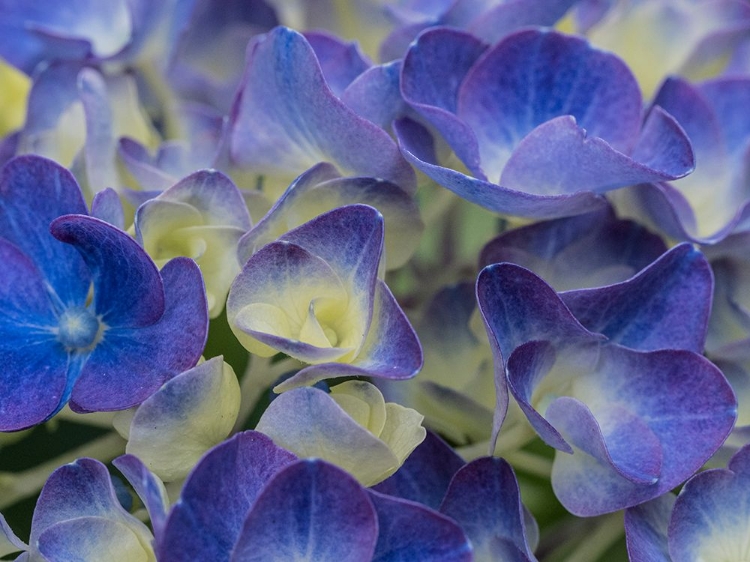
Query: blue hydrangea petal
[(107, 206), (32, 33), (309, 510), (409, 531), (425, 475), (90, 539), (418, 148), (726, 95), (148, 487), (684, 400), (80, 489), (518, 307), (711, 514), (560, 157), (646, 530), (534, 76), (375, 95), (33, 192), (36, 365), (432, 72), (340, 61), (129, 364), (128, 291), (484, 498), (284, 97), (9, 542), (207, 520), (589, 250), (498, 21), (665, 306)]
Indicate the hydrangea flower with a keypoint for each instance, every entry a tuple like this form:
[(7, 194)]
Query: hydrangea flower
[(611, 377), (106, 351), (203, 217), (315, 295), (79, 517), (541, 123)]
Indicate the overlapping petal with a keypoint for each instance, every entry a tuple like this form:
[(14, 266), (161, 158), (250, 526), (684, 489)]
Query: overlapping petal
[(353, 428), (310, 510), (286, 119), (322, 189), (191, 413), (542, 121), (207, 520), (619, 410)]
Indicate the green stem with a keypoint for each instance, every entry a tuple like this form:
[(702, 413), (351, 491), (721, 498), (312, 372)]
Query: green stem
[(15, 486), (530, 463), (609, 529)]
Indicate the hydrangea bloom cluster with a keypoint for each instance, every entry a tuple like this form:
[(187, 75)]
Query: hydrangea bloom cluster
[(381, 280)]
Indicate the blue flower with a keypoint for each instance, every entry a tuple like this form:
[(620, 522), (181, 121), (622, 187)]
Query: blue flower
[(106, 349)]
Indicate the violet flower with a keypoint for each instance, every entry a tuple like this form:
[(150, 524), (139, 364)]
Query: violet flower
[(109, 351)]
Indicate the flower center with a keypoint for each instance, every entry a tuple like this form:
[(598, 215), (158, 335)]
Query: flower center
[(78, 328)]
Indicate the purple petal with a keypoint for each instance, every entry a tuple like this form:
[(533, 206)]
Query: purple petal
[(100, 143), (665, 306), (646, 530), (209, 53), (128, 291), (418, 148), (90, 539), (32, 33), (35, 364), (711, 513), (433, 69), (534, 76), (9, 542), (312, 510), (497, 22), (212, 194), (286, 119), (207, 520), (518, 307), (589, 250), (485, 500), (129, 364), (141, 165), (339, 61), (349, 239), (683, 399), (80, 489), (275, 295), (148, 487), (409, 531), (107, 206), (728, 96), (615, 437), (560, 157), (35, 191), (425, 475), (376, 96)]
